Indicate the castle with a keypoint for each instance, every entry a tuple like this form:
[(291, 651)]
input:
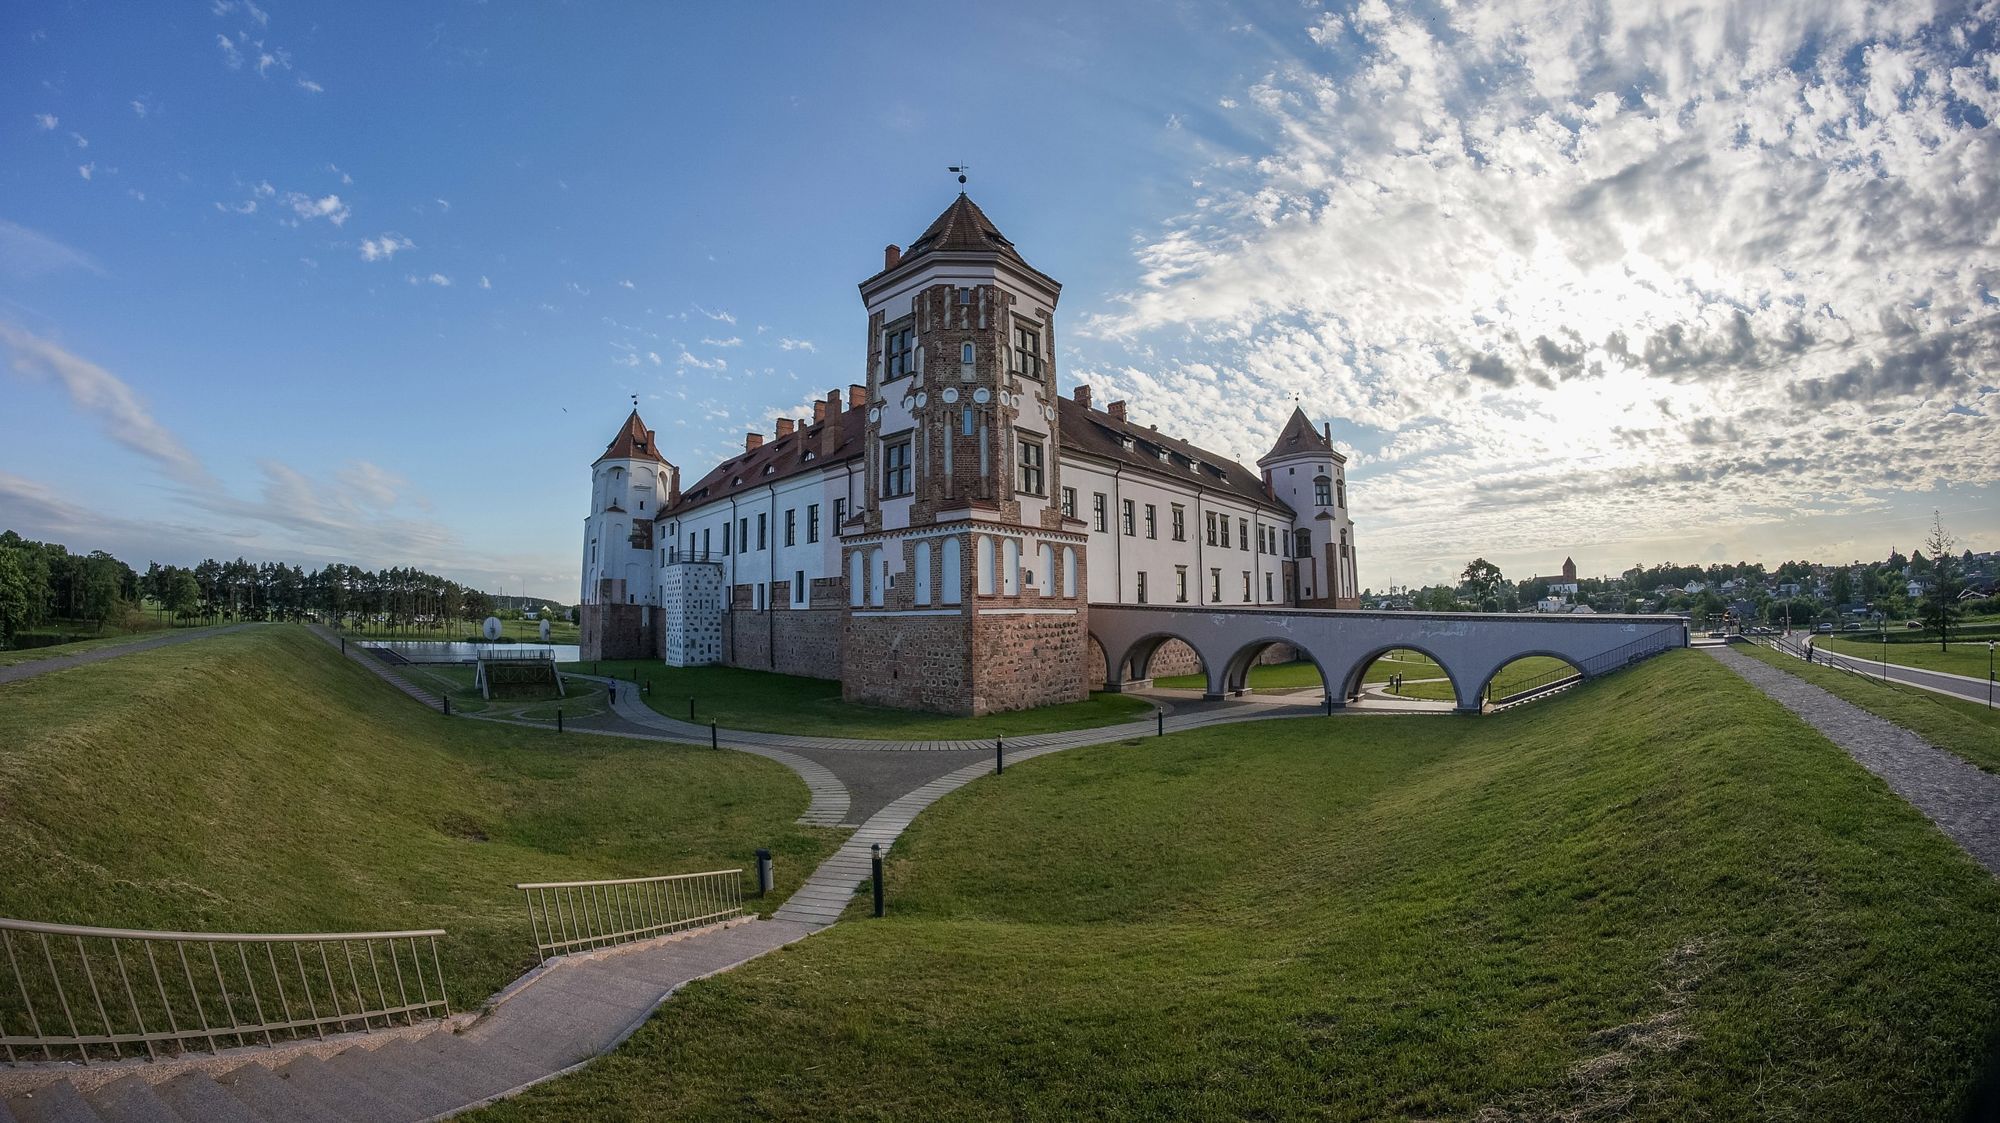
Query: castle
[(935, 539)]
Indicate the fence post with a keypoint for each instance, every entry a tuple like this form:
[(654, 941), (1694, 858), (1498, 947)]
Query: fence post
[(876, 848), (764, 880)]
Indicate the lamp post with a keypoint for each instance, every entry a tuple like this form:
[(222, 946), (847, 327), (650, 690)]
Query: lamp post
[(1989, 673)]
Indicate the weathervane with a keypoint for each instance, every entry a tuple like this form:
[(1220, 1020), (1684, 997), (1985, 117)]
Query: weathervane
[(635, 401), (960, 169)]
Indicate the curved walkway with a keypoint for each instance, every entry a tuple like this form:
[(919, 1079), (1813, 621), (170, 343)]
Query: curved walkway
[(53, 663)]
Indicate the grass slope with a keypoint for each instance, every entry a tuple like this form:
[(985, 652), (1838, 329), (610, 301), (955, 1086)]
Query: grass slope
[(1968, 658), (735, 698), (260, 782), (1618, 903), (1967, 728), (16, 655)]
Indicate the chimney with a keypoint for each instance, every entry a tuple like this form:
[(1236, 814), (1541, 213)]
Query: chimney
[(1326, 431), (832, 402), (652, 442), (1116, 410), (784, 426), (857, 395), (819, 412), (1082, 396), (752, 442), (892, 256), (673, 485)]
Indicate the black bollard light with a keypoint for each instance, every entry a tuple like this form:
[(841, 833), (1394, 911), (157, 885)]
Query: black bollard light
[(877, 849), (764, 881), (1329, 705), (999, 756), (1162, 716), (690, 707), (714, 741), (558, 719), (447, 705)]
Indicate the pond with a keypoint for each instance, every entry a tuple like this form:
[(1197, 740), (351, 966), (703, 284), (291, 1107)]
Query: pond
[(454, 651)]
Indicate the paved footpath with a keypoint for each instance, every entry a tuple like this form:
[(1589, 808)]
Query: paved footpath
[(54, 663), (1963, 801)]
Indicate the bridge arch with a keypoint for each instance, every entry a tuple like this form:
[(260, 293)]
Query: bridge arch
[(1351, 680), (1486, 685), (1135, 661), (1236, 669)]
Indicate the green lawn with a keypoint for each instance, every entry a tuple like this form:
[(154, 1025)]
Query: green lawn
[(1968, 659), (13, 656), (735, 698), (1617, 905), (1967, 728), (1515, 676), (260, 782), (580, 697)]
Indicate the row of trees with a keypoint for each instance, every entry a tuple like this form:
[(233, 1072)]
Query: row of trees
[(42, 583)]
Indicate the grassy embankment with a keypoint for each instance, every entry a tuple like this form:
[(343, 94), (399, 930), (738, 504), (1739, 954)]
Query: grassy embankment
[(1619, 904), (1281, 678), (1968, 729), (12, 656), (759, 700), (1967, 658), (259, 782)]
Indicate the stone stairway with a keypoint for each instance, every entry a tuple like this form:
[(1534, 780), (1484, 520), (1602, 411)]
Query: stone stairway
[(551, 1021)]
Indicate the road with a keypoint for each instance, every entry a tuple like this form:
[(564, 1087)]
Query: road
[(1957, 686)]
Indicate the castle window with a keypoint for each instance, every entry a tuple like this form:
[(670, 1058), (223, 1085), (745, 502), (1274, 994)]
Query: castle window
[(949, 576), (1267, 586), (965, 297), (1010, 567), (1211, 528), (1215, 586), (1027, 353), (1246, 586), (897, 346), (743, 535), (1031, 468), (791, 526), (1242, 534), (1097, 510), (1048, 556), (1343, 543), (1180, 523), (896, 469), (1340, 491), (984, 562), (1142, 586), (707, 543), (1323, 491), (727, 538), (965, 353), (812, 522), (799, 586), (1152, 521), (763, 520), (921, 564), (1304, 546), (1069, 502), (1069, 572), (1180, 584), (1126, 514)]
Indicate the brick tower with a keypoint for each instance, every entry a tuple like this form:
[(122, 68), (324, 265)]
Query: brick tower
[(965, 577)]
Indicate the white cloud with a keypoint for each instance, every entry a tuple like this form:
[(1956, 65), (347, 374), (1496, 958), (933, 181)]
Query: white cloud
[(625, 284), (653, 357), (344, 177), (224, 7), (311, 86), (46, 121), (80, 140), (85, 170), (103, 395), (438, 279), (732, 341), (140, 108), (789, 344), (247, 206), (1634, 271), (328, 207), (27, 254), (231, 57), (484, 283), (385, 247), (688, 360), (264, 190), (444, 204), (720, 316)]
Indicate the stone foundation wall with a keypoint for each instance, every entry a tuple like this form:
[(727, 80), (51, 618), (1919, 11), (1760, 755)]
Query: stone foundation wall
[(1029, 660), (805, 640), (1174, 658), (913, 662), (616, 631)]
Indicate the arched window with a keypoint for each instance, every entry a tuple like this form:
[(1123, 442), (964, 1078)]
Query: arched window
[(857, 581), (1069, 572), (922, 575), (985, 564), (950, 577), (1340, 491), (1323, 491), (1010, 567), (879, 576), (1048, 567)]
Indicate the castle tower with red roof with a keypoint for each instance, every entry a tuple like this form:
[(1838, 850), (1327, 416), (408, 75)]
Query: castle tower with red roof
[(629, 486)]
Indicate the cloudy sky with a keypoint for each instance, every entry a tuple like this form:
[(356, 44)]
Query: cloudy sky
[(1633, 282)]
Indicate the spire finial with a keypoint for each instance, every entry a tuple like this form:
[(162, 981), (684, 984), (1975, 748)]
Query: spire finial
[(960, 170)]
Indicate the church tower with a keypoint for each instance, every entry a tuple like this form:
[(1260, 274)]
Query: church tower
[(965, 575)]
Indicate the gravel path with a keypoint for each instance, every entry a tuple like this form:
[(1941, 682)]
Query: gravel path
[(34, 667), (1963, 801)]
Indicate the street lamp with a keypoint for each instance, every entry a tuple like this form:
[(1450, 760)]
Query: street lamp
[(1989, 673)]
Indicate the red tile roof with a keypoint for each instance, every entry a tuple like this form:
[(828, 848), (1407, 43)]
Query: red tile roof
[(1092, 433), (777, 460), (633, 442), (1298, 436)]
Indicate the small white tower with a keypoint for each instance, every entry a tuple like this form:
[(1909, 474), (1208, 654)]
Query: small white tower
[(629, 485), (1307, 472)]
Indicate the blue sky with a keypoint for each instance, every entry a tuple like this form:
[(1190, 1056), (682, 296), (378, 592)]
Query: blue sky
[(372, 282)]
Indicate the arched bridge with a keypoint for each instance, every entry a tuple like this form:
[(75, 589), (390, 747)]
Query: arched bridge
[(1471, 647)]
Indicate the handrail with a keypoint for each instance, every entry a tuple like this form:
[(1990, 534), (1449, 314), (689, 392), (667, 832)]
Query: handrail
[(623, 880), (572, 916), (211, 937), (88, 992)]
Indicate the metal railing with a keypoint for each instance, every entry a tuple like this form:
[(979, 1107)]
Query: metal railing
[(92, 993), (569, 916), (509, 653)]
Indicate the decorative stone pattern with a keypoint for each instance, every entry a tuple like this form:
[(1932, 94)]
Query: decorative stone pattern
[(691, 604), (617, 631)]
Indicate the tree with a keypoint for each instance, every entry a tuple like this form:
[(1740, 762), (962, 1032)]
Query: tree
[(1482, 578), (1843, 588), (1941, 599), (181, 594), (15, 595)]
